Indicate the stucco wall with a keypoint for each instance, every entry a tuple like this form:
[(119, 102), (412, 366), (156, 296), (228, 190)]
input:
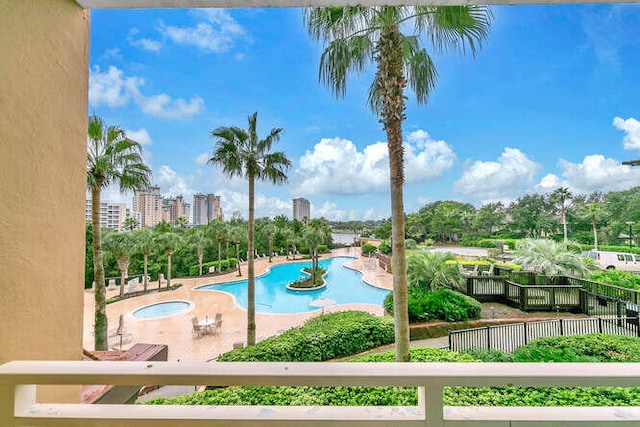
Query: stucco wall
[(43, 121)]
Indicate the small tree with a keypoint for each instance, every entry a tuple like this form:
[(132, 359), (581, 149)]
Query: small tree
[(270, 230), (430, 270), (145, 244), (122, 246), (168, 242), (549, 258), (198, 240)]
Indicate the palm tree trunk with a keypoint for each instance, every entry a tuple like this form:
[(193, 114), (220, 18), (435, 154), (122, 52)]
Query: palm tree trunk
[(564, 225), (270, 247), (227, 249), (390, 83), (145, 282), (219, 255), (200, 255), (251, 292), (123, 273), (100, 326), (169, 269), (595, 235), (238, 258)]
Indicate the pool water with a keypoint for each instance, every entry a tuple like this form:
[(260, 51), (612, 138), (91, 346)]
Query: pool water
[(161, 309), (343, 286)]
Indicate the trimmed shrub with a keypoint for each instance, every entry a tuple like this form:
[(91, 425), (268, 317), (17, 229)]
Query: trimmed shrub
[(410, 244), (233, 262), (583, 348), (322, 249), (620, 278), (385, 247), (368, 249), (321, 338), (443, 304)]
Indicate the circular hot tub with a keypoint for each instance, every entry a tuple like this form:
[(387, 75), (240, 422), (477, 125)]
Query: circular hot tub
[(161, 309)]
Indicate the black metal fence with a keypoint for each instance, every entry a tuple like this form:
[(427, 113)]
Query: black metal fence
[(509, 337)]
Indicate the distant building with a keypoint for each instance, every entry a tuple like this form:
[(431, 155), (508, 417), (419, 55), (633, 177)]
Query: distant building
[(174, 208), (112, 215), (237, 216), (301, 209), (206, 208), (149, 204)]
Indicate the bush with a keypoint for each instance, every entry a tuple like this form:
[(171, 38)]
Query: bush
[(443, 304), (410, 244), (368, 249), (322, 249), (233, 263), (620, 278), (492, 243), (307, 282), (583, 348), (385, 247), (321, 338)]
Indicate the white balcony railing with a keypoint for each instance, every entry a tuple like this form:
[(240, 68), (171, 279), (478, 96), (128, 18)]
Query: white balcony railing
[(18, 406)]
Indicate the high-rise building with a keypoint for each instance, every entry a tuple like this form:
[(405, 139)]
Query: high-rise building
[(206, 208), (301, 209), (112, 215), (237, 216), (149, 204), (174, 208)]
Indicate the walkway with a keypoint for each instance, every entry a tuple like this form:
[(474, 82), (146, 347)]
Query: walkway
[(175, 331)]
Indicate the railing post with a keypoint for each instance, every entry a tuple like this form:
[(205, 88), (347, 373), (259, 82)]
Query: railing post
[(449, 333), (552, 298), (7, 397), (431, 403), (619, 305), (561, 327), (488, 337), (523, 297), (526, 333), (600, 324)]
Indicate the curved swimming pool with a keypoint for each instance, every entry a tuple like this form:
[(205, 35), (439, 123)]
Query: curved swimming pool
[(343, 286), (161, 309)]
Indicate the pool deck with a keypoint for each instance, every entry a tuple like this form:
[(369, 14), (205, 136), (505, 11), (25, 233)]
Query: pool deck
[(176, 330)]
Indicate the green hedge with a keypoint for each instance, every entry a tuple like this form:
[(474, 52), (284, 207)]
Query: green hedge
[(443, 304), (620, 278), (368, 248), (321, 338), (407, 396)]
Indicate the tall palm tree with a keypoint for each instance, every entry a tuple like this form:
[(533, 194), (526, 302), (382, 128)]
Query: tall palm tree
[(560, 197), (182, 222), (217, 231), (238, 233), (145, 243), (313, 237), (169, 242), (270, 230), (130, 224), (112, 158), (199, 240), (356, 36), (122, 246), (243, 154)]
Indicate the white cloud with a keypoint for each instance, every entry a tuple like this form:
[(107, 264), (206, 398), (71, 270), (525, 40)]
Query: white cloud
[(218, 34), (113, 53), (108, 88), (512, 173), (549, 182), (203, 158), (143, 43), (596, 172), (173, 184), (264, 206), (114, 89), (631, 129), (336, 166), (141, 136)]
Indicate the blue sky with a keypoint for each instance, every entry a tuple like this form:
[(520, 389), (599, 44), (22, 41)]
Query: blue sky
[(552, 99)]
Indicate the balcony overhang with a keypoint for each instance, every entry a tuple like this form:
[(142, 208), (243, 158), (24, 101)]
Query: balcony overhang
[(147, 4)]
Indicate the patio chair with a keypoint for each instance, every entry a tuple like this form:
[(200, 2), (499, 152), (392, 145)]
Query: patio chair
[(216, 328), (197, 329), (490, 271)]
